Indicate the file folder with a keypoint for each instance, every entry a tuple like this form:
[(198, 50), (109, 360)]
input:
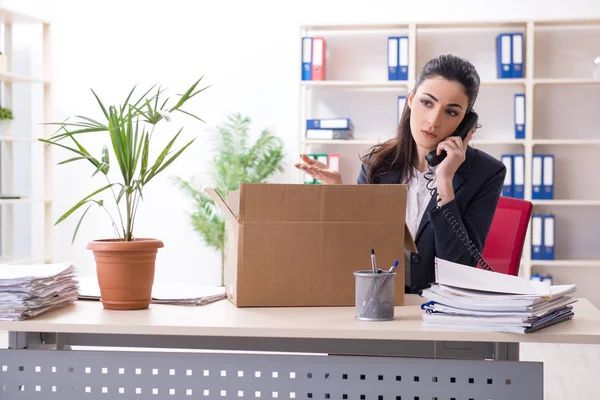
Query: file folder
[(324, 158), (392, 55), (517, 55), (307, 178), (403, 58), (536, 176), (329, 123), (504, 56), (334, 162), (519, 115), (519, 176), (548, 180), (318, 59), (507, 191), (548, 241), (307, 58), (328, 134), (401, 104), (537, 230)]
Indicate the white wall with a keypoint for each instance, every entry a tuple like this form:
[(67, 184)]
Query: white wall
[(247, 50)]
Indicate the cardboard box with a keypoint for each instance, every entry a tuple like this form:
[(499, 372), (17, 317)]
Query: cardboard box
[(299, 245)]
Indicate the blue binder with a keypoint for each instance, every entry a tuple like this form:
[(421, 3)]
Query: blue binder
[(537, 172), (504, 56), (519, 115), (507, 159), (537, 236), (401, 104), (517, 55), (548, 177), (403, 58), (392, 56), (329, 123), (548, 241), (518, 187), (307, 58)]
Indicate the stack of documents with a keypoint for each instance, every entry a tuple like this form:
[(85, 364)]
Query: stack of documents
[(163, 292), (475, 299), (29, 290)]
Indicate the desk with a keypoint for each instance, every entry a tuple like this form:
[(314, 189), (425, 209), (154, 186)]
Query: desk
[(327, 355)]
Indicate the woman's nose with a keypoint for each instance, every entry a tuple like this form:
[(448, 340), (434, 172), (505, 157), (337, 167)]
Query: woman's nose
[(433, 118)]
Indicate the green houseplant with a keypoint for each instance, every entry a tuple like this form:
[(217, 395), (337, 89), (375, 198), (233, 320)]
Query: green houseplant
[(236, 161), (124, 264)]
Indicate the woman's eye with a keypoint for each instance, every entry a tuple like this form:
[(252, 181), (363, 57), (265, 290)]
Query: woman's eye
[(452, 113), (426, 102)]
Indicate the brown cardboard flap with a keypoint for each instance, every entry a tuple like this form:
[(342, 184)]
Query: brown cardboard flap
[(409, 243), (219, 200), (293, 202)]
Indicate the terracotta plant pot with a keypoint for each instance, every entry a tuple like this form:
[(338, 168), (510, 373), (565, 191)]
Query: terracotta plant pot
[(125, 271)]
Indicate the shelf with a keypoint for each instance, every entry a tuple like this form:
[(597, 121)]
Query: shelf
[(17, 139), (496, 141), (24, 200), (351, 142), (585, 142), (8, 77), (357, 84), (15, 17), (566, 202), (22, 260), (566, 263), (557, 81), (503, 82)]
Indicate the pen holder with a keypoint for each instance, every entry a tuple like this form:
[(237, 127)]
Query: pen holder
[(374, 295)]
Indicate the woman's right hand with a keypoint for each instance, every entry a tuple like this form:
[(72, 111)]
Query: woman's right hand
[(319, 171)]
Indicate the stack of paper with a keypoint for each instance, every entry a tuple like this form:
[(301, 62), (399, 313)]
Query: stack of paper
[(475, 299), (179, 293), (29, 290)]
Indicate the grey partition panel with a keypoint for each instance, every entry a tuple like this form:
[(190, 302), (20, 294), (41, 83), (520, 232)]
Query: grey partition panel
[(51, 374)]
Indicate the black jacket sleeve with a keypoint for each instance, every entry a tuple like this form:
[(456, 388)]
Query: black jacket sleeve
[(475, 221)]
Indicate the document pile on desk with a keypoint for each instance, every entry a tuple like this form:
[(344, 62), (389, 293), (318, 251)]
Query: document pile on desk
[(176, 293), (29, 290), (475, 299)]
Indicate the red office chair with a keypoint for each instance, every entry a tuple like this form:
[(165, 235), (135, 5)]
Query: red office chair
[(504, 244)]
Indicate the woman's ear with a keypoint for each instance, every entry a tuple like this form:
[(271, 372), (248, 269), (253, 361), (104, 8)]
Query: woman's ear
[(410, 98)]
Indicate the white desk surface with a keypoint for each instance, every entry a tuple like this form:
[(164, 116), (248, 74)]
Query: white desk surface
[(224, 319)]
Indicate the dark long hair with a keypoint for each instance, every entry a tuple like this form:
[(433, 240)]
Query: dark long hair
[(400, 153)]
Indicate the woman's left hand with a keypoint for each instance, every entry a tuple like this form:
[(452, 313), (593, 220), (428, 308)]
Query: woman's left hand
[(455, 149)]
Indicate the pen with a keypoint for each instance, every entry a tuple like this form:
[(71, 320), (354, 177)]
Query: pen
[(393, 267), (373, 263)]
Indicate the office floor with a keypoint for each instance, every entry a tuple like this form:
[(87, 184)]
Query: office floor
[(569, 371)]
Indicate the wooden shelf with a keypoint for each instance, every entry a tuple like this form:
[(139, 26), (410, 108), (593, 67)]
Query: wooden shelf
[(8, 77), (574, 142), (566, 202), (17, 139), (566, 263), (568, 81), (358, 84), (9, 16)]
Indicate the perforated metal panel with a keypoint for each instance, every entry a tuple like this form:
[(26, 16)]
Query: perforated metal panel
[(47, 374)]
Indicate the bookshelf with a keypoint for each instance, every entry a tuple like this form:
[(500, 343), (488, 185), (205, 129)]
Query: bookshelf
[(25, 163), (561, 107)]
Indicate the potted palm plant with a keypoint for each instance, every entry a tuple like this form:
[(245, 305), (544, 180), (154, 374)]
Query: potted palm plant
[(124, 264), (237, 160)]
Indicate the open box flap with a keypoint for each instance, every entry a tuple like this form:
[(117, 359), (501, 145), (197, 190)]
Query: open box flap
[(221, 202)]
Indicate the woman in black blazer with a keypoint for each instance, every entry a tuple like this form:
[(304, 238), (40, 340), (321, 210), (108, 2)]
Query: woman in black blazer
[(468, 182)]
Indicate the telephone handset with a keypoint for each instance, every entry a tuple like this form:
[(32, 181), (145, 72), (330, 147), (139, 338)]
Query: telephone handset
[(469, 121)]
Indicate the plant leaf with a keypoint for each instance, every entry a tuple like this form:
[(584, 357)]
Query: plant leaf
[(82, 202), (79, 223), (101, 105)]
